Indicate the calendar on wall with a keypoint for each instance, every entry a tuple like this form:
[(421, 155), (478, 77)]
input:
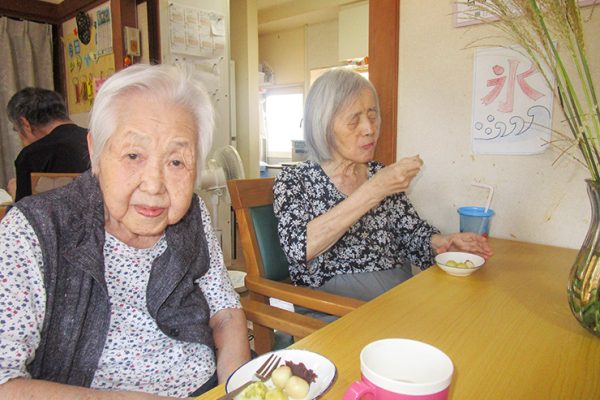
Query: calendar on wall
[(196, 32)]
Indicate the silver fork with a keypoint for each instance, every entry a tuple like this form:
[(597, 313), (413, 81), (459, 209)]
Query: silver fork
[(263, 373)]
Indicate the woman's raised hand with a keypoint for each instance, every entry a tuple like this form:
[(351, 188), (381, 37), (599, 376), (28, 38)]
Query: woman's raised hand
[(397, 177)]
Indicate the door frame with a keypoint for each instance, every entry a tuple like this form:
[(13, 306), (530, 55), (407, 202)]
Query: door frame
[(384, 48)]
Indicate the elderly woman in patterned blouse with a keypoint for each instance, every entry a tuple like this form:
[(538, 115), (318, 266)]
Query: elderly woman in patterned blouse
[(344, 221), (114, 287)]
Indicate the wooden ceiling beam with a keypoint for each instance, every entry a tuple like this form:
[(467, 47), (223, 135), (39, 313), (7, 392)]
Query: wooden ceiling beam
[(32, 10), (69, 8), (41, 11)]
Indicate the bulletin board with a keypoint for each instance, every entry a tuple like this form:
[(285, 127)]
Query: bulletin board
[(88, 65)]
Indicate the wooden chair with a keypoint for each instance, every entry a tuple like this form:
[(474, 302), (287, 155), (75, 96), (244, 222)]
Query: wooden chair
[(267, 270), (44, 181)]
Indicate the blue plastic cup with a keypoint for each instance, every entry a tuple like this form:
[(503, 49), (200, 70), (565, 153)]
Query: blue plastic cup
[(475, 219)]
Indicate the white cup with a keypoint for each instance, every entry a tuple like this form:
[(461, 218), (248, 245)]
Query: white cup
[(402, 369)]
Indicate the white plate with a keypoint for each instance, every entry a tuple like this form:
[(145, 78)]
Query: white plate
[(323, 367)]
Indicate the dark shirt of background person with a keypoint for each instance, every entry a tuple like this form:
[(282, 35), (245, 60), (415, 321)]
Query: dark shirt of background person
[(51, 141)]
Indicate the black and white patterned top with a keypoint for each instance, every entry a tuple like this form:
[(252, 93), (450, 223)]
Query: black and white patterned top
[(381, 239), (137, 356)]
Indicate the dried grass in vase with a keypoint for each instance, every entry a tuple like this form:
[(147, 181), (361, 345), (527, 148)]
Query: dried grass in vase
[(551, 34)]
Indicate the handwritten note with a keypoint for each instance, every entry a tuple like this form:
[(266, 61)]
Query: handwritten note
[(512, 104)]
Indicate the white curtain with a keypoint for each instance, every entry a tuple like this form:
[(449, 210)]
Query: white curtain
[(25, 60)]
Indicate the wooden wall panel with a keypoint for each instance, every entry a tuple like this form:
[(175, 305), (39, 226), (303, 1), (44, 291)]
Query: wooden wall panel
[(123, 14), (384, 27)]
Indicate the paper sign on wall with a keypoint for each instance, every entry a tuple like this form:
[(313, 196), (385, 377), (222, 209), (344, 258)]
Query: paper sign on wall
[(196, 32), (512, 104)]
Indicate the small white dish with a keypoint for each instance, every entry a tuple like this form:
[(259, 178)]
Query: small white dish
[(459, 257), (322, 367)]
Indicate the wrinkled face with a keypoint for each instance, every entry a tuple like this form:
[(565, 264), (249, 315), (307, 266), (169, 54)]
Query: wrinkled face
[(148, 169), (355, 129)]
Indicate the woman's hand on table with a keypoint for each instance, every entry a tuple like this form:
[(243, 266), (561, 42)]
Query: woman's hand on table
[(465, 241)]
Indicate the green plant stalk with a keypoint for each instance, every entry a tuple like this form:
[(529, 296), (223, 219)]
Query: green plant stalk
[(580, 61), (588, 76), (577, 109), (570, 118), (571, 107), (525, 22), (574, 117), (577, 130)]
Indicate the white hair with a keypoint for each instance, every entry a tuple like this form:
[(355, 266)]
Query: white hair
[(168, 83), (327, 96)]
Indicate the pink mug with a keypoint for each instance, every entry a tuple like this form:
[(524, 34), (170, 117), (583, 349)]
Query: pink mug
[(402, 369)]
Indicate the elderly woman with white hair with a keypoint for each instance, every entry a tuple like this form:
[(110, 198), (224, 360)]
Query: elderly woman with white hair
[(113, 287), (344, 220)]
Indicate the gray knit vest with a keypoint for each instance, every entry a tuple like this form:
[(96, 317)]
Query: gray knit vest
[(69, 223)]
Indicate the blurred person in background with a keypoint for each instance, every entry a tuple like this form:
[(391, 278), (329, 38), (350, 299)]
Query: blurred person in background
[(51, 141)]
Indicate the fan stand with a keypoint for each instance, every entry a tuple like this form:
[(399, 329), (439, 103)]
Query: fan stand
[(215, 194)]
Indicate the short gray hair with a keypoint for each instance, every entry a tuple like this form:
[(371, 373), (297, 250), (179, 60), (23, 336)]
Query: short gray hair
[(38, 106), (165, 82), (328, 95)]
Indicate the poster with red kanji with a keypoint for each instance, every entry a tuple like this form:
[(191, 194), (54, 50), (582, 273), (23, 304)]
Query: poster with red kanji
[(512, 104)]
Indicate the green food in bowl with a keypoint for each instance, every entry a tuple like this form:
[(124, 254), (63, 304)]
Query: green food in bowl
[(256, 391), (260, 391), (466, 264)]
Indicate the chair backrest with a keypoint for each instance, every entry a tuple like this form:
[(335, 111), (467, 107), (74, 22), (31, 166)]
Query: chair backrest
[(44, 181), (252, 200)]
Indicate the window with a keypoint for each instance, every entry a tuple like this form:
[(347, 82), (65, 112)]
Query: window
[(283, 116)]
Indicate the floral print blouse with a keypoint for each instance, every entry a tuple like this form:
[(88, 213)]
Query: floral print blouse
[(383, 238)]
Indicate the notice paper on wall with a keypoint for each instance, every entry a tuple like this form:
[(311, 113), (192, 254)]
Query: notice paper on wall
[(196, 32), (512, 104), (103, 31)]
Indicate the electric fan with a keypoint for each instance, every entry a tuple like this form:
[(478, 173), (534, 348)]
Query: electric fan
[(224, 164)]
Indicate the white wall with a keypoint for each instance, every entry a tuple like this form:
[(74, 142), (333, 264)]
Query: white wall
[(244, 51), (221, 103), (222, 121), (535, 201), (284, 53), (322, 45)]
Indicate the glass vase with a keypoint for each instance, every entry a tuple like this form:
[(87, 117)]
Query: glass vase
[(584, 280)]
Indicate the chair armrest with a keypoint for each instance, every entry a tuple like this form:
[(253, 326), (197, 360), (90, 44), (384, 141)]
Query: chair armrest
[(275, 318), (305, 297)]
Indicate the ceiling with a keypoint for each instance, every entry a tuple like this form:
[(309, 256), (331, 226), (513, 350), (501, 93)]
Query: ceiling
[(279, 15)]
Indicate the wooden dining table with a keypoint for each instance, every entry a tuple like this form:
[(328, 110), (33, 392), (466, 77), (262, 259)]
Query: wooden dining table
[(507, 328)]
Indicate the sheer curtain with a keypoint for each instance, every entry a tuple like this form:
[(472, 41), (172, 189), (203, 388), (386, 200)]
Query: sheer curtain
[(26, 49)]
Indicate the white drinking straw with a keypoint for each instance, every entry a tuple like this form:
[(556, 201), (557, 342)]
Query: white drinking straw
[(487, 203), (490, 194)]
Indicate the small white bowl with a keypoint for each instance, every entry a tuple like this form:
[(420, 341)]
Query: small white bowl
[(460, 257)]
